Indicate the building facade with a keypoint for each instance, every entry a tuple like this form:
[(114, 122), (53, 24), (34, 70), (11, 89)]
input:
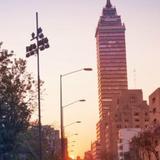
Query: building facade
[(124, 138), (111, 66), (129, 111), (154, 104), (88, 155), (96, 150)]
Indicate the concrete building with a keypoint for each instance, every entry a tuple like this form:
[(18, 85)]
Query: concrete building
[(154, 107), (154, 104), (52, 139), (129, 111), (88, 155), (124, 138), (111, 65), (51, 143), (96, 150)]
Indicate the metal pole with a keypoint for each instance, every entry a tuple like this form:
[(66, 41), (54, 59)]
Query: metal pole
[(62, 127), (63, 145), (39, 102)]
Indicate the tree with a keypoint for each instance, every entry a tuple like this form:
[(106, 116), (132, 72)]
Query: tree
[(145, 144), (16, 101), (138, 150)]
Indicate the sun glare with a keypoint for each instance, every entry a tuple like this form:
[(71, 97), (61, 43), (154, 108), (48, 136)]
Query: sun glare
[(72, 156)]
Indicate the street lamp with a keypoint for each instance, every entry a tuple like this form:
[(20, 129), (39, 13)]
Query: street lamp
[(72, 123), (80, 100), (33, 49), (75, 134), (61, 108)]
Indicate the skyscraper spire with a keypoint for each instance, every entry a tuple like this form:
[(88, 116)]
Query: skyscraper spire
[(108, 5)]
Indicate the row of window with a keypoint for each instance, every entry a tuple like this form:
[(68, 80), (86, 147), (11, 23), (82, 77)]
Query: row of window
[(135, 113), (119, 64), (106, 30), (103, 41), (112, 61), (112, 31), (126, 126), (116, 49), (136, 120), (111, 38), (113, 68), (116, 81), (111, 56), (109, 46), (111, 53)]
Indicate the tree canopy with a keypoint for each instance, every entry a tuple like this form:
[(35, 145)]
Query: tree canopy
[(145, 144), (17, 97)]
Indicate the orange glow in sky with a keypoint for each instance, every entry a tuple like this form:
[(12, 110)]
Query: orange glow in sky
[(70, 27)]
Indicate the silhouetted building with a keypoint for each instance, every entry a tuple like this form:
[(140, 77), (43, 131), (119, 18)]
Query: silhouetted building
[(88, 155), (51, 146), (52, 139), (78, 158), (111, 65), (96, 150), (66, 148)]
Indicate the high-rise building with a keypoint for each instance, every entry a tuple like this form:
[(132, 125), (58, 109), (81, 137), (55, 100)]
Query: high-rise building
[(111, 57), (111, 65)]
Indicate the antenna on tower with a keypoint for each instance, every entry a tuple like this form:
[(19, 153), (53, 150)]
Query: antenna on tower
[(109, 5), (134, 78), (1, 44)]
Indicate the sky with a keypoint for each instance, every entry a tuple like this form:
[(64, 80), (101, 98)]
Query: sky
[(70, 27)]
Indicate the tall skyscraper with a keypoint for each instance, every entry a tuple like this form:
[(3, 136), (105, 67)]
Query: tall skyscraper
[(111, 65)]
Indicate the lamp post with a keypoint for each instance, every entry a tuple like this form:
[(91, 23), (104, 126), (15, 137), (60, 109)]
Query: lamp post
[(41, 44), (80, 100), (72, 123), (61, 108), (75, 134)]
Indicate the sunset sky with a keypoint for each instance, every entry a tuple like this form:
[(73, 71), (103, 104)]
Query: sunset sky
[(70, 27)]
